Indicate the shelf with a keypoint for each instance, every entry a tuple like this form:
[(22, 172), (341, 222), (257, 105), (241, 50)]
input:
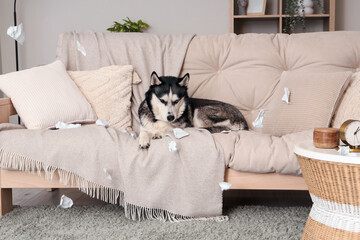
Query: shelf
[(282, 15), (257, 16)]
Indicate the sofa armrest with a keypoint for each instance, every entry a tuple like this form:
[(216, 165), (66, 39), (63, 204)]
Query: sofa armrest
[(6, 110)]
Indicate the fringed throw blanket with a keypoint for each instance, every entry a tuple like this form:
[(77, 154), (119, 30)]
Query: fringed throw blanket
[(107, 164)]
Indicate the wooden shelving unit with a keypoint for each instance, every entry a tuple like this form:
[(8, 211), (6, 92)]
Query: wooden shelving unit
[(273, 20)]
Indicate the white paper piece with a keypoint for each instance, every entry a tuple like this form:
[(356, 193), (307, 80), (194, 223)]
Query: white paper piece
[(101, 122), (225, 185), (258, 121), (80, 48), (286, 97), (17, 33), (226, 131), (132, 134), (62, 125), (65, 202), (344, 150), (108, 176), (173, 146), (179, 133)]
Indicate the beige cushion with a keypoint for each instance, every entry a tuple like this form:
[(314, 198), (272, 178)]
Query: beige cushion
[(245, 70), (313, 98), (108, 90), (349, 107), (44, 95)]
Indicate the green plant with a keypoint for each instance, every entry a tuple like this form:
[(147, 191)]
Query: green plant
[(128, 26), (295, 10)]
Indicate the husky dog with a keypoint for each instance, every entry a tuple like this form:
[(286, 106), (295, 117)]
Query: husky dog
[(167, 106)]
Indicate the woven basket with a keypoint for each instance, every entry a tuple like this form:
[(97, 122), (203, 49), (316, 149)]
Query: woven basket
[(332, 181), (335, 190)]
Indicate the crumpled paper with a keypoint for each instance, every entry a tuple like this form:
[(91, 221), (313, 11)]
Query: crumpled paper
[(258, 121), (108, 176), (225, 185), (173, 146), (344, 150), (62, 125), (17, 33), (101, 122), (179, 133), (80, 48), (65, 202), (132, 134), (286, 97)]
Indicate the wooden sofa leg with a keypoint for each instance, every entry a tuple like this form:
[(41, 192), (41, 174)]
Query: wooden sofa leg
[(5, 201)]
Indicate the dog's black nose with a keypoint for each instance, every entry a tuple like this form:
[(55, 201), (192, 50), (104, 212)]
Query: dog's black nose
[(170, 118)]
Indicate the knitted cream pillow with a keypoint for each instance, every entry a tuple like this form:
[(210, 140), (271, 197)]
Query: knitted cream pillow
[(45, 95), (349, 107), (313, 100), (109, 91)]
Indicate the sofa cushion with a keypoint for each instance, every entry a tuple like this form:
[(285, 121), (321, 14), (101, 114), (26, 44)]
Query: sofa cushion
[(45, 95), (246, 70), (108, 90), (349, 107), (313, 98)]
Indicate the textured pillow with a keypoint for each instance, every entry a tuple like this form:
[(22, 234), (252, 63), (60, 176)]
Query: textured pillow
[(349, 107), (44, 95), (109, 90), (313, 98)]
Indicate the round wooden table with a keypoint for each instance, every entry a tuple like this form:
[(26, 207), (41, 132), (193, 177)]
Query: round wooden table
[(334, 185)]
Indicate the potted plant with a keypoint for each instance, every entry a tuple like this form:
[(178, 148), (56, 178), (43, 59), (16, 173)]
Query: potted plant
[(296, 10), (128, 26)]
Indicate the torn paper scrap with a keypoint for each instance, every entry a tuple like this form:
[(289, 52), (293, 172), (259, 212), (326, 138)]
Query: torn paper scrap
[(344, 150), (286, 97), (226, 131), (65, 202), (258, 121), (62, 125), (173, 146), (108, 176), (17, 33), (179, 133), (132, 134), (225, 185), (80, 48), (101, 122)]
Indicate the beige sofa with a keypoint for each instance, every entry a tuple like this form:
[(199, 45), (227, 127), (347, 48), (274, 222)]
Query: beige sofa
[(251, 71)]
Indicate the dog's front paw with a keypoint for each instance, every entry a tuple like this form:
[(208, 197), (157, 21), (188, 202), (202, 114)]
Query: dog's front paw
[(157, 136), (144, 140)]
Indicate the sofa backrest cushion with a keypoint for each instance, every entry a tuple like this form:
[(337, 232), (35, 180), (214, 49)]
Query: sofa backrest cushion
[(246, 70), (109, 91)]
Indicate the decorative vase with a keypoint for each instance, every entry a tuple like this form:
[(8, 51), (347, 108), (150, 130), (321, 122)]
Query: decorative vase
[(308, 7), (242, 6)]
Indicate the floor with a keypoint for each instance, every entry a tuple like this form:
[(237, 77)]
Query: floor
[(32, 197)]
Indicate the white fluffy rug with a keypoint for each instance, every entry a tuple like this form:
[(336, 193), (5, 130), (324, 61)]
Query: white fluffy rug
[(108, 222)]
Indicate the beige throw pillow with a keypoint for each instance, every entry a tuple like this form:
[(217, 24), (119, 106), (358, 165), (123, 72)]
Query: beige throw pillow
[(109, 91), (313, 98), (349, 107), (45, 95)]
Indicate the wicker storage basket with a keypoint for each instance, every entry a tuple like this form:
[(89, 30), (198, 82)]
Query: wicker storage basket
[(335, 190)]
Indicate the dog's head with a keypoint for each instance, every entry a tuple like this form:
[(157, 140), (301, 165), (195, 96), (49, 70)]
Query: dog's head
[(167, 97)]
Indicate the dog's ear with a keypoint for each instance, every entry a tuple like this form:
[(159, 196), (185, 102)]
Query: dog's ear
[(184, 80), (154, 79)]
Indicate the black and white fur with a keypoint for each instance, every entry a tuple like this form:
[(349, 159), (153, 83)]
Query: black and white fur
[(167, 105)]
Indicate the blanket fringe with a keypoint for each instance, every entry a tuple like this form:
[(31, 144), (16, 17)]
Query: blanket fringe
[(107, 194)]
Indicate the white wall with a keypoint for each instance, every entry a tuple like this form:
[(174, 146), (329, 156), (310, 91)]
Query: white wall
[(347, 15), (44, 20)]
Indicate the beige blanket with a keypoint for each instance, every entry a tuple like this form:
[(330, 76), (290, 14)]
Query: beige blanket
[(107, 164), (146, 52)]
